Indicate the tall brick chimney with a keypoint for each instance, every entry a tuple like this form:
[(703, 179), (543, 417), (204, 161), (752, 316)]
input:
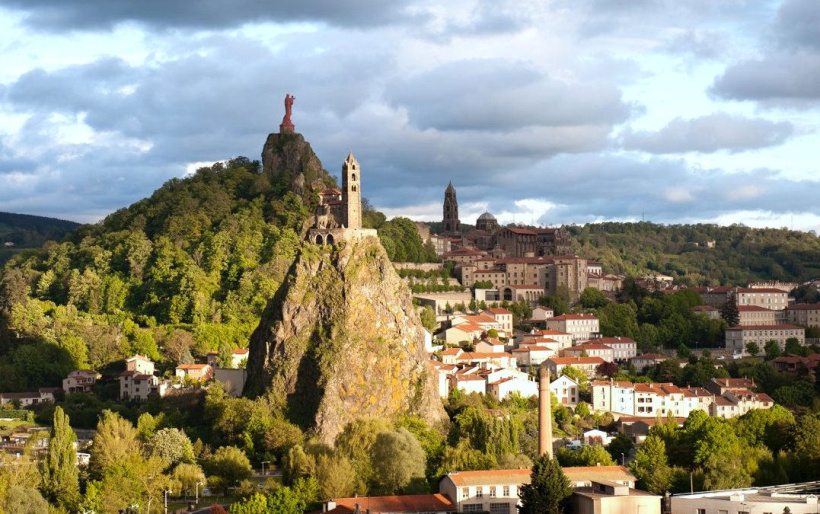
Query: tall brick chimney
[(544, 413)]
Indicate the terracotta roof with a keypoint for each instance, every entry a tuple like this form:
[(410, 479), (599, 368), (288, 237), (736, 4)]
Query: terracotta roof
[(744, 383), (498, 310), (482, 355), (804, 307), (573, 316), (544, 333), (193, 366), (241, 351), (761, 290), (619, 383), (398, 504), (752, 308), (703, 308), (577, 474), (451, 351), (490, 477), (766, 327), (589, 346), (614, 340), (534, 348), (652, 356), (576, 360), (19, 396)]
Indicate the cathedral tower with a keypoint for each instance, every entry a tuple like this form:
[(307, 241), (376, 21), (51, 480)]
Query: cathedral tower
[(351, 192), (452, 225)]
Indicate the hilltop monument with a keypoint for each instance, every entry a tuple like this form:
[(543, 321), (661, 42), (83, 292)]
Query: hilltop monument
[(340, 339), (287, 125)]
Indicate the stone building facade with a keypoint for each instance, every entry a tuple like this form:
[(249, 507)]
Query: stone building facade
[(338, 216)]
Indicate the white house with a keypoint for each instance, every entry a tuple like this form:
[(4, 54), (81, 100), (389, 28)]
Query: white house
[(80, 381), (531, 356), (564, 339), (503, 317), (565, 390), (504, 387), (239, 358), (590, 349), (490, 345), (587, 365), (580, 326)]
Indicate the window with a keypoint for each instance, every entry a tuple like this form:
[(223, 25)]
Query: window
[(479, 492), (701, 511), (506, 490), (492, 491), (473, 507), (499, 508), (465, 492)]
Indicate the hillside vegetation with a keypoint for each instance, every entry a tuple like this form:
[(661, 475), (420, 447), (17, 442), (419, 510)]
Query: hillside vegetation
[(26, 231), (740, 254), (184, 272)]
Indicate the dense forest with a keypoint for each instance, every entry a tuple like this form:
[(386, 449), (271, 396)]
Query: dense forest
[(738, 254), (20, 231)]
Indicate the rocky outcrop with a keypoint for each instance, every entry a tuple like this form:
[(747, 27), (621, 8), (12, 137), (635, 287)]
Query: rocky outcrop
[(341, 340), (289, 158)]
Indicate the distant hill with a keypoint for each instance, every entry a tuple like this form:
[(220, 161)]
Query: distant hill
[(26, 231), (701, 254)]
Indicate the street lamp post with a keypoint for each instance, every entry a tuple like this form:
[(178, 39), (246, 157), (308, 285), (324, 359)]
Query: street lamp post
[(623, 460), (196, 492), (165, 492), (263, 466)]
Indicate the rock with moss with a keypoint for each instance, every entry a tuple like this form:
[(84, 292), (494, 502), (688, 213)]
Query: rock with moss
[(289, 160), (341, 340)]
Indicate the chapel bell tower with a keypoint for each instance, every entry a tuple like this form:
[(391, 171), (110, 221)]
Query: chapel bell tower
[(352, 192)]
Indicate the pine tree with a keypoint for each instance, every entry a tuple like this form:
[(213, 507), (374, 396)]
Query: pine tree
[(60, 474), (548, 488), (730, 312)]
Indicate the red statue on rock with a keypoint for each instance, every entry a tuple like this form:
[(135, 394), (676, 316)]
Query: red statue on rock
[(287, 125)]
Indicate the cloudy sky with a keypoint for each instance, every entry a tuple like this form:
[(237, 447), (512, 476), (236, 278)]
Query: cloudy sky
[(544, 112)]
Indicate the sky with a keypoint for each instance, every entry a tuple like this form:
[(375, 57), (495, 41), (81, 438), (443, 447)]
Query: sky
[(542, 112)]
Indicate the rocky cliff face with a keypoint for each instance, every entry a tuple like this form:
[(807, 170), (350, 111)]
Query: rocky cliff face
[(341, 340), (290, 158)]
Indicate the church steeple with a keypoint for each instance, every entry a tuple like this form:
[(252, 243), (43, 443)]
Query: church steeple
[(452, 225)]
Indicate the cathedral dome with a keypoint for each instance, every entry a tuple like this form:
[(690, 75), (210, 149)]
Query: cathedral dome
[(486, 217)]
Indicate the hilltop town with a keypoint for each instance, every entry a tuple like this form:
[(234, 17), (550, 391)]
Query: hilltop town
[(242, 337)]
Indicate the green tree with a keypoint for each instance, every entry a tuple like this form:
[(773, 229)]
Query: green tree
[(730, 312), (115, 441), (398, 461), (227, 466), (620, 447), (60, 475), (651, 466), (355, 441), (548, 489), (335, 476), (772, 349), (171, 445), (592, 298), (188, 476), (591, 455), (297, 464), (752, 348), (24, 500), (428, 318)]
